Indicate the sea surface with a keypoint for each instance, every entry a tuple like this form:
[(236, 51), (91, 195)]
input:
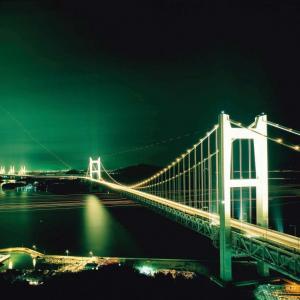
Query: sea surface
[(109, 225), (106, 224)]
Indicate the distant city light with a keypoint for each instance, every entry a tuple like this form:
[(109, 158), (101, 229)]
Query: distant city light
[(146, 270)]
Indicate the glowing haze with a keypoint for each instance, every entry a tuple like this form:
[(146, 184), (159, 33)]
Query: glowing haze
[(80, 79)]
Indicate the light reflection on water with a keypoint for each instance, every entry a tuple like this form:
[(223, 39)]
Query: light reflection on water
[(18, 261), (96, 224), (102, 232), (92, 226), (88, 226)]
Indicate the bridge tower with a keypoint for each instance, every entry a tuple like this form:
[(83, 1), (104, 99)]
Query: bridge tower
[(227, 134), (2, 170), (95, 168), (22, 171), (11, 170)]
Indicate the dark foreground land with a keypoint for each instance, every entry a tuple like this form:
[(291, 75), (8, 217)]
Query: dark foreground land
[(113, 282)]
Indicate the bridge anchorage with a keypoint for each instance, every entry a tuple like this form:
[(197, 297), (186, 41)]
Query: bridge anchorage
[(219, 188)]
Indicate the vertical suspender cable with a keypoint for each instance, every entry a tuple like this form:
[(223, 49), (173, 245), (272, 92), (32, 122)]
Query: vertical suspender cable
[(241, 176), (195, 177), (202, 177), (184, 174), (174, 187), (250, 176), (210, 206), (178, 182), (217, 173), (189, 161), (232, 200), (169, 190)]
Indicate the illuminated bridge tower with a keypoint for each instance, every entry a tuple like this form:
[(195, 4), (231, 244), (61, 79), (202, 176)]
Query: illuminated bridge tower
[(95, 169), (22, 171), (11, 170), (2, 170), (257, 134)]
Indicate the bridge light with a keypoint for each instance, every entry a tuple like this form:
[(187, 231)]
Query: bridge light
[(252, 236), (279, 140), (297, 148)]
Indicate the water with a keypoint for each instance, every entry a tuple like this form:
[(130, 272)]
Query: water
[(108, 225), (94, 223)]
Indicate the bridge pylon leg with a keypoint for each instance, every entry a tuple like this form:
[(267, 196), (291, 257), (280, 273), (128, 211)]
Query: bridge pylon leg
[(224, 158), (261, 166)]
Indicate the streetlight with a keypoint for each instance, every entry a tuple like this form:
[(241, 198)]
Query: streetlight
[(67, 252), (91, 253), (34, 247)]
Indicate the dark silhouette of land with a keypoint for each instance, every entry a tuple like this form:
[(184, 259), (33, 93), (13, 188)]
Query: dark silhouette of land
[(113, 282)]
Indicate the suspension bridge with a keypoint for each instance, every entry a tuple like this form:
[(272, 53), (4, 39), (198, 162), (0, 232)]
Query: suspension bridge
[(219, 188)]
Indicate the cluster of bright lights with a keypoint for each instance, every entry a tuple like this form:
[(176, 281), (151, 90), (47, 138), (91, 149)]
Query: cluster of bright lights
[(12, 171), (146, 270), (176, 161)]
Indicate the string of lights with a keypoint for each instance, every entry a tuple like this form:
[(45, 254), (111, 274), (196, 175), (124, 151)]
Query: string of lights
[(275, 140), (106, 172), (191, 179), (291, 130), (178, 160)]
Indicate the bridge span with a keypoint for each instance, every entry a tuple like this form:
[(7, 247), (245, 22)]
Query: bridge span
[(278, 250), (219, 188)]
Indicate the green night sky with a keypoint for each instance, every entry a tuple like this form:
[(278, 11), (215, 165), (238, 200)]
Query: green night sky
[(127, 84)]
